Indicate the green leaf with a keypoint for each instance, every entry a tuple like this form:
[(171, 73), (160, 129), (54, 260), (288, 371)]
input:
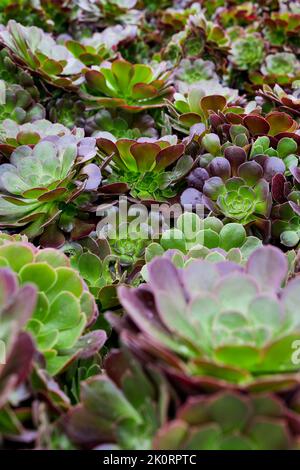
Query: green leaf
[(239, 356), (102, 397), (230, 411), (232, 236), (173, 239), (269, 434), (67, 280), (40, 274), (47, 340), (17, 255), (64, 312), (90, 267), (286, 146), (153, 250), (68, 338)]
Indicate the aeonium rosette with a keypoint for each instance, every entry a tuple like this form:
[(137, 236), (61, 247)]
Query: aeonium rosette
[(149, 168), (213, 325), (42, 182), (64, 307), (133, 87), (37, 51)]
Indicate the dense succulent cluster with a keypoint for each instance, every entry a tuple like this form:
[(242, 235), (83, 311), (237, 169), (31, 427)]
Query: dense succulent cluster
[(150, 225)]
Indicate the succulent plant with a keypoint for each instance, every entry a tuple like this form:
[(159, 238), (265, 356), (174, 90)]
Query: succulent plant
[(286, 150), (18, 105), (286, 225), (125, 241), (248, 52), (230, 421), (279, 68), (281, 28), (212, 333), (239, 127), (243, 199), (64, 308), (104, 264), (67, 110), (13, 135), (16, 346), (12, 74), (189, 73), (38, 52), (120, 84), (101, 46), (121, 124), (109, 11), (242, 14), (236, 188), (281, 63), (140, 166), (202, 99), (222, 421), (41, 180), (121, 409), (47, 14), (188, 112), (207, 237), (286, 213), (283, 100)]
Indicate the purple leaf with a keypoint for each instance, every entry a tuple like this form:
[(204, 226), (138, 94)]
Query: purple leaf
[(269, 266)]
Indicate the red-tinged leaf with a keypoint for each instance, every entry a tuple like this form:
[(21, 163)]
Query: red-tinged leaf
[(18, 365), (6, 149), (52, 237), (123, 72), (236, 156), (91, 343), (124, 148), (142, 91), (278, 183), (75, 47), (234, 118), (81, 229), (62, 82), (171, 436), (96, 81), (133, 109), (279, 122), (292, 135), (168, 155), (32, 217), (34, 193), (251, 172), (145, 155), (106, 146), (212, 103), (256, 124), (28, 138), (52, 195), (15, 201), (190, 119), (90, 59), (108, 102), (51, 67), (114, 188)]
